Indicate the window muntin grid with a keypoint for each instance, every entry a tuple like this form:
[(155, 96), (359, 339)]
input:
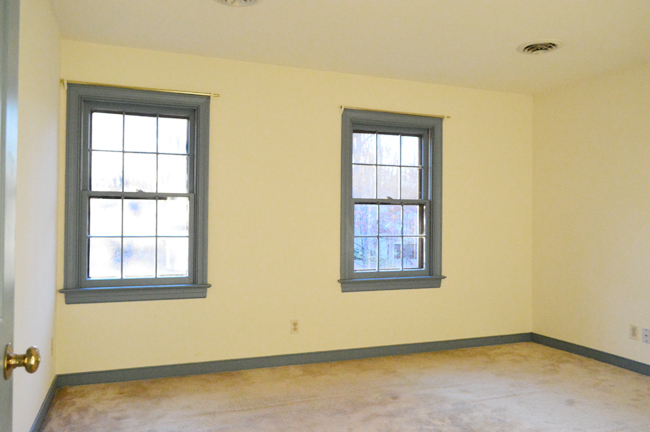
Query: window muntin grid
[(139, 204), (389, 237), (138, 238), (150, 155), (389, 202)]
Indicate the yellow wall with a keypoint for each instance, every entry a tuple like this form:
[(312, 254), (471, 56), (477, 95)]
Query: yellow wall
[(274, 219), (38, 121), (592, 212)]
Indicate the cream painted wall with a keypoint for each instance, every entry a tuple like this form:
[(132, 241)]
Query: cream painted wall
[(274, 219), (592, 212), (38, 122)]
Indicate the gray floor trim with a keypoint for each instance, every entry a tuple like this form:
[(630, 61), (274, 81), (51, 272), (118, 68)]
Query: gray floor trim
[(119, 375), (601, 356), (45, 407)]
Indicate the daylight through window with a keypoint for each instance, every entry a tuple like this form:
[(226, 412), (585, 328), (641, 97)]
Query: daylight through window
[(389, 234), (131, 236)]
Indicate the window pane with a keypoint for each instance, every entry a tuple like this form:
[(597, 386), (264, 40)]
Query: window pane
[(365, 220), (106, 131), (106, 171), (139, 257), (172, 173), (388, 179), (364, 148), (365, 254), (173, 217), (410, 150), (105, 217), (413, 253), (388, 149), (363, 181), (172, 135), (139, 217), (173, 256), (104, 258), (139, 133), (390, 220), (390, 253), (413, 220), (410, 183), (139, 172)]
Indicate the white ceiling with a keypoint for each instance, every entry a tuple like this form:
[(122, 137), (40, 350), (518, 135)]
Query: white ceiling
[(469, 43)]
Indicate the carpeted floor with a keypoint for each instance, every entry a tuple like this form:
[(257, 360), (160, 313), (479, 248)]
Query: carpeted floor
[(518, 387)]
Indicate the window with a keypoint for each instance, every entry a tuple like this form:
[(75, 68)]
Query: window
[(136, 195), (391, 201)]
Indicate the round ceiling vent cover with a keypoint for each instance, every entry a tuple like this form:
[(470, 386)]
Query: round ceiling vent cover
[(540, 47), (237, 3)]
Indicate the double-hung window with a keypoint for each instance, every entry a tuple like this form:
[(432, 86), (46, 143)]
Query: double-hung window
[(136, 195), (391, 201)]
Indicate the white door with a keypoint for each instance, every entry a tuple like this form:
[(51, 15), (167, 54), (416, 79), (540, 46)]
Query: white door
[(8, 130)]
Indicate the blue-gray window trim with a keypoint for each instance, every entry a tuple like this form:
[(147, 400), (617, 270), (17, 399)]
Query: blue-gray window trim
[(81, 99), (431, 130)]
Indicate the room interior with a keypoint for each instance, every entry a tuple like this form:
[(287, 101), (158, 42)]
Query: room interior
[(544, 216)]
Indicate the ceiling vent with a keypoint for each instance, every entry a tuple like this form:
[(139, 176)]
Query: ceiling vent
[(540, 47), (237, 3)]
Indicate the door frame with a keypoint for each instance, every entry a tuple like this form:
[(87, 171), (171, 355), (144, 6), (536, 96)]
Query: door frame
[(8, 148)]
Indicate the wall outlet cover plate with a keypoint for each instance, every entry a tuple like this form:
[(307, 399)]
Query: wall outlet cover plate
[(646, 335)]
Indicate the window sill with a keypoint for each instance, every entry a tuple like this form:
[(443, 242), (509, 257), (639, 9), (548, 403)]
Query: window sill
[(134, 293), (418, 282)]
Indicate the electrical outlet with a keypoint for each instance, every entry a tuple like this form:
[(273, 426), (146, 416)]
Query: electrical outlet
[(634, 332), (294, 326), (645, 335)]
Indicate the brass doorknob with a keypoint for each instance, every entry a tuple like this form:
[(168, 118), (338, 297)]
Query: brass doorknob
[(30, 360)]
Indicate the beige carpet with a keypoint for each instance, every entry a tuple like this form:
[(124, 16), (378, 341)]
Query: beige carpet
[(519, 387)]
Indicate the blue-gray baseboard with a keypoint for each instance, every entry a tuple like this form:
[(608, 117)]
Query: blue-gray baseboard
[(185, 369), (601, 356), (45, 407), (278, 360)]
